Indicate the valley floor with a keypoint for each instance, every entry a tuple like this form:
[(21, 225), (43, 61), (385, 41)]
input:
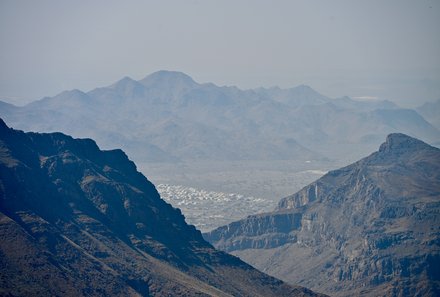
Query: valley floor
[(212, 194)]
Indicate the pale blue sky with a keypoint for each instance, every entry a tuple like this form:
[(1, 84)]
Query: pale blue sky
[(375, 48)]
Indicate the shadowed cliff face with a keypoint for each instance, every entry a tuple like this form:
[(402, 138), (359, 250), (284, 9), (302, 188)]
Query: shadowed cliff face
[(78, 221), (370, 228)]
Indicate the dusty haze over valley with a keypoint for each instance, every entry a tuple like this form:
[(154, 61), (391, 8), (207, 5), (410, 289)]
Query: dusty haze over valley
[(300, 136)]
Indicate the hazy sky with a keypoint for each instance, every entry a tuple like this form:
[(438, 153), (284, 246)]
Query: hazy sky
[(385, 49)]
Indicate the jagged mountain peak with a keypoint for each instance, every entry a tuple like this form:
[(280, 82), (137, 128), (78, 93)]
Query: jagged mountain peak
[(304, 88), (73, 94), (126, 80), (399, 142), (298, 96), (399, 155), (125, 113), (168, 77), (69, 98), (128, 87), (368, 229)]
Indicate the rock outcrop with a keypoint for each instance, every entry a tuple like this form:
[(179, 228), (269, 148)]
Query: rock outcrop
[(371, 228), (78, 221)]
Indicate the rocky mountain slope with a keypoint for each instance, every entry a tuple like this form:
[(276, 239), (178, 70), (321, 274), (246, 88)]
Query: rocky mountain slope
[(78, 221), (167, 116), (369, 229)]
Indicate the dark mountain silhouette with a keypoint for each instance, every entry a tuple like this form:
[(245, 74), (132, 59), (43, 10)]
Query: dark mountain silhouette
[(78, 221), (369, 229)]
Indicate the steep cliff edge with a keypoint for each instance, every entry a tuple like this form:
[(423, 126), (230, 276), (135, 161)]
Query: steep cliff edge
[(371, 228), (78, 221)]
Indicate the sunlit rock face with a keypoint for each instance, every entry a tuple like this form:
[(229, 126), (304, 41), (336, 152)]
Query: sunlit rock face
[(371, 228)]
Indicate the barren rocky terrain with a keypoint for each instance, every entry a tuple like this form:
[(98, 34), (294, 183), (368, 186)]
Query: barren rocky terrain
[(368, 229), (78, 221)]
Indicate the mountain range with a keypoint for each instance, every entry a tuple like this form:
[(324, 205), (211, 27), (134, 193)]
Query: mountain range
[(78, 221), (167, 116), (368, 229), (431, 112)]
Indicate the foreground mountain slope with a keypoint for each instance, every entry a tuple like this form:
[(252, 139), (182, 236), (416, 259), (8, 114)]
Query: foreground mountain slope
[(371, 228), (78, 221)]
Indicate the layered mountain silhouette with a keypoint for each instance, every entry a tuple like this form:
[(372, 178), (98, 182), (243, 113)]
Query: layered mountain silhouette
[(431, 112), (369, 229), (167, 116), (78, 221)]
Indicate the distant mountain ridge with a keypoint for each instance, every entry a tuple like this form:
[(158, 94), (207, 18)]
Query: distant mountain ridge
[(78, 221), (431, 112), (367, 229), (167, 116)]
